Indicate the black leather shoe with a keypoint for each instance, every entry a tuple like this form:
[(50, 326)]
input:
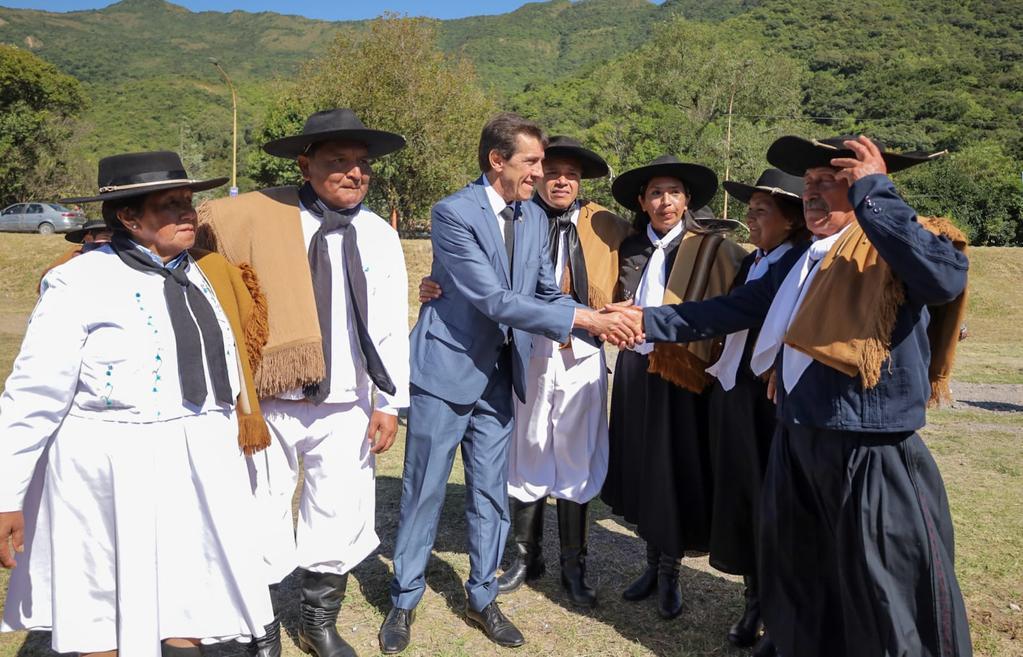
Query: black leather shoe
[(396, 632), (496, 626), (322, 594), (176, 651), (765, 647), (268, 645), (669, 591), (645, 584), (744, 632), (572, 528), (527, 531)]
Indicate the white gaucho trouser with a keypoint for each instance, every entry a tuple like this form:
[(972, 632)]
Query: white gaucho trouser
[(560, 445), (337, 502)]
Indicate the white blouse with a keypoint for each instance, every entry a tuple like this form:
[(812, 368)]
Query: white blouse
[(99, 344)]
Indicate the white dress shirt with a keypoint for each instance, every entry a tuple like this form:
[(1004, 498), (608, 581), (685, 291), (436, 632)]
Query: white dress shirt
[(497, 204), (655, 276), (387, 313)]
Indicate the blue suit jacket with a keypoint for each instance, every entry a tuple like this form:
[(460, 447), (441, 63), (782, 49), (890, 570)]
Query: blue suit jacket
[(931, 269), (458, 338)]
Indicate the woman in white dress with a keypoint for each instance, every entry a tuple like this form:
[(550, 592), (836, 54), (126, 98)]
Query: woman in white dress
[(125, 507)]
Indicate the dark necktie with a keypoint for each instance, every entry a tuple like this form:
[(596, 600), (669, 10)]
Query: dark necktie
[(508, 214), (562, 224), (185, 300), (320, 267)]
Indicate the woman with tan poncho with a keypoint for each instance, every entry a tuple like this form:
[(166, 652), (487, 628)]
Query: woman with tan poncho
[(659, 463)]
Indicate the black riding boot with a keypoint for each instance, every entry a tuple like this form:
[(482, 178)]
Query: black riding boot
[(745, 630), (669, 591), (765, 647), (322, 594), (527, 531), (573, 530), (645, 584)]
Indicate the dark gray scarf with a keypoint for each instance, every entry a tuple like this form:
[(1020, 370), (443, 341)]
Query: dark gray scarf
[(319, 265), (185, 300)]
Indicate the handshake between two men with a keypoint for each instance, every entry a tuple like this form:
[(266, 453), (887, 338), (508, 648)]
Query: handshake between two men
[(620, 323)]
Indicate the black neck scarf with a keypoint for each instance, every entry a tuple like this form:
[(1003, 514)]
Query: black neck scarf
[(185, 301), (320, 267), (561, 221)]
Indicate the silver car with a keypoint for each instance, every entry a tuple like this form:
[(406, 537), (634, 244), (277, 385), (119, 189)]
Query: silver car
[(42, 218)]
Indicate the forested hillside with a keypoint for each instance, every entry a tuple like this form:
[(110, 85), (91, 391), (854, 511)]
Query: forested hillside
[(631, 77)]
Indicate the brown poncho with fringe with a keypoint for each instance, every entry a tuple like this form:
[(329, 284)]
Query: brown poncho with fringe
[(264, 229), (600, 235), (857, 340), (705, 267), (238, 292)]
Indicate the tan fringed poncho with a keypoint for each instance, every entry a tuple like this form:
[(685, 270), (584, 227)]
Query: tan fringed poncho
[(242, 300), (600, 235), (857, 340), (705, 267), (264, 229)]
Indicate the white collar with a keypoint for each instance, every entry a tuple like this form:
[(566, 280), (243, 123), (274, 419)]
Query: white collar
[(497, 204), (661, 242)]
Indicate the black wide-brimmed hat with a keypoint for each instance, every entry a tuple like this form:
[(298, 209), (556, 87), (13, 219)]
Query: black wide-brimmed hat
[(777, 183), (794, 155), (700, 182), (137, 174), (705, 217), (78, 236), (593, 165), (335, 125)]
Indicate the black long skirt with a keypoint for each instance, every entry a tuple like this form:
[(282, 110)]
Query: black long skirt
[(857, 531), (658, 474), (741, 426)]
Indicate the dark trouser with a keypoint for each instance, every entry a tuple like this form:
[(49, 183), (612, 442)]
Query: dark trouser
[(857, 548)]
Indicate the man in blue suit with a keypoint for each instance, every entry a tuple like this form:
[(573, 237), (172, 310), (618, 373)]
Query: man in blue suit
[(470, 349)]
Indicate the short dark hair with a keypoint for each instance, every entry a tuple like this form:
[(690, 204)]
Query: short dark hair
[(500, 134), (793, 213), (134, 204)]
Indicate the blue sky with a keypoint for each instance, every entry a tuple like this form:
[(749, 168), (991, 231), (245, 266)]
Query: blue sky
[(324, 9)]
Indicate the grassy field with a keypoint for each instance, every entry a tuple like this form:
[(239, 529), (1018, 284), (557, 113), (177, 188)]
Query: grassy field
[(979, 451)]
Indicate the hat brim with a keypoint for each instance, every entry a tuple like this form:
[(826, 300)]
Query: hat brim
[(77, 236), (700, 182), (593, 165), (744, 192), (378, 142), (142, 190), (794, 155)]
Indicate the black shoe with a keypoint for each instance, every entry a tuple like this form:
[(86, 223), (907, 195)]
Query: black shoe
[(176, 651), (527, 530), (646, 583), (396, 632), (268, 645), (744, 632), (572, 528), (669, 591), (496, 626), (322, 594), (764, 648)]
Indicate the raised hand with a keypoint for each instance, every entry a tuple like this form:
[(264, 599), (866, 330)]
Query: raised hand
[(428, 290), (868, 161)]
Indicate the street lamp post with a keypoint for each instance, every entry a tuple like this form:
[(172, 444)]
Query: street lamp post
[(234, 128)]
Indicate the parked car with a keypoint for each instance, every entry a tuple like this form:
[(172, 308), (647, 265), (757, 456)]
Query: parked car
[(42, 218)]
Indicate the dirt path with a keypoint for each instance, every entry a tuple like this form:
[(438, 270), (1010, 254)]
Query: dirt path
[(998, 397)]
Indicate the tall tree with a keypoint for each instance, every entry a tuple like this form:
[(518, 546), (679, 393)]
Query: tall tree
[(395, 78), (38, 107)]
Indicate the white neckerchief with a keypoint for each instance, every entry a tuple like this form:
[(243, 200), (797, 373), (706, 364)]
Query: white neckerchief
[(783, 309), (651, 286), (727, 366)]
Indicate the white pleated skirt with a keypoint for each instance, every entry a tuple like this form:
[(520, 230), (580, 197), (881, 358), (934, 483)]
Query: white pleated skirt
[(137, 533)]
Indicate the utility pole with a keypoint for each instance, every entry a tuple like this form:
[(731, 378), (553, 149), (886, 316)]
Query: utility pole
[(234, 127)]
